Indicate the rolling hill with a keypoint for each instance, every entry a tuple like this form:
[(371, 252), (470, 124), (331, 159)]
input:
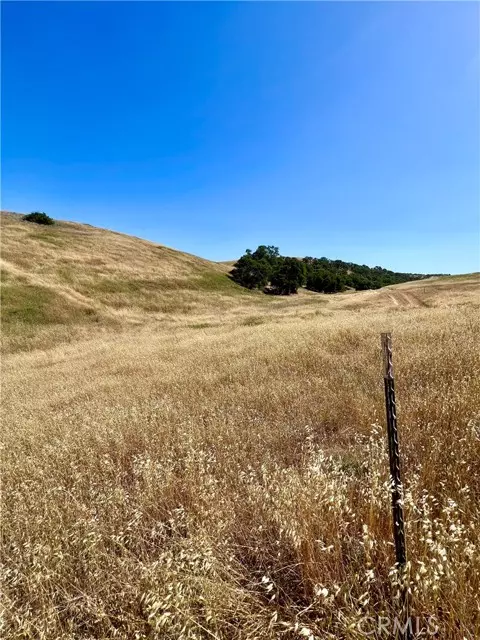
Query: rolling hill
[(73, 274), (68, 280)]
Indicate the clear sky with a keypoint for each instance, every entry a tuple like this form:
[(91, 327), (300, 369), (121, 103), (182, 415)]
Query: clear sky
[(346, 130)]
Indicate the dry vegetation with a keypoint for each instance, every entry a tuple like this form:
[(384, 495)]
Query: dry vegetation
[(218, 469)]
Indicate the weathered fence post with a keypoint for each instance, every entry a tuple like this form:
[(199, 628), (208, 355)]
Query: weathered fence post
[(397, 490)]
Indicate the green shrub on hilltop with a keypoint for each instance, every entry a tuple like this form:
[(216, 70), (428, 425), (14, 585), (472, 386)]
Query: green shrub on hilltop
[(39, 217)]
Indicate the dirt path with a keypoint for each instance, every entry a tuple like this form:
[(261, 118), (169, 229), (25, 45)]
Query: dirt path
[(393, 299)]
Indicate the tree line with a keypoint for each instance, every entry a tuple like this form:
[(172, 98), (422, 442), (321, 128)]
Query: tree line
[(266, 269)]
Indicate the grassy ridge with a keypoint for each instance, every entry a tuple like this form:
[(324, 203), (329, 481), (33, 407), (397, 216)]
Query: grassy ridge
[(70, 274)]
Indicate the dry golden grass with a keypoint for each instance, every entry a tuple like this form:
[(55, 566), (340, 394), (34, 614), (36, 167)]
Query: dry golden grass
[(222, 473)]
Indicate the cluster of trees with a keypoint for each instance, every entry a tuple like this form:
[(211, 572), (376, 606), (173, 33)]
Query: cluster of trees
[(266, 269), (330, 276)]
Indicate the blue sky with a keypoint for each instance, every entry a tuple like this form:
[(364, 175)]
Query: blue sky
[(347, 130)]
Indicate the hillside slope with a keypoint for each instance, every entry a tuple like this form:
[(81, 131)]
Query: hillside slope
[(69, 280), (75, 274)]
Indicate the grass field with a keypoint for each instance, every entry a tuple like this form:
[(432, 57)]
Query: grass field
[(184, 459)]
